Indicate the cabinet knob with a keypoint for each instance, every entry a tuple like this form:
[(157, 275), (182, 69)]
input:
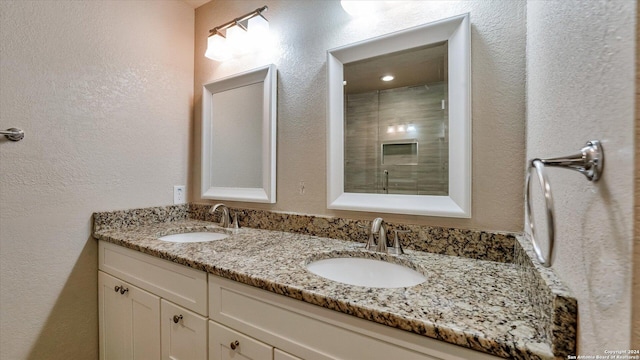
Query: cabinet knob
[(123, 290), (117, 288), (234, 345), (177, 318)]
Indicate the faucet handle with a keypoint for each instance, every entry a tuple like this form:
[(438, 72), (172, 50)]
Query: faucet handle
[(235, 224), (397, 246), (371, 243)]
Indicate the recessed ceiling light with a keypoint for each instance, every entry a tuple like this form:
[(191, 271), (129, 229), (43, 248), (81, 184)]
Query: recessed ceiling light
[(387, 78)]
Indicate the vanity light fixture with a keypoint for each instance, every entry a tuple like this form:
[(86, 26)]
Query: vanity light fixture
[(411, 128), (401, 128), (241, 35), (387, 78), (391, 129)]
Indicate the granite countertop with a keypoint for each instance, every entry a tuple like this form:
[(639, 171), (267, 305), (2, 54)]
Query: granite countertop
[(473, 303)]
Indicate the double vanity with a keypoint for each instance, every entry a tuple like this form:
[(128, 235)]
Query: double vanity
[(253, 293)]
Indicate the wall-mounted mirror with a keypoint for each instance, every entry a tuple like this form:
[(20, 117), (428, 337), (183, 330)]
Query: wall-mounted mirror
[(239, 137), (399, 122)]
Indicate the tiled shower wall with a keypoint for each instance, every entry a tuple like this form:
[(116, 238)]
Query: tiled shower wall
[(368, 118)]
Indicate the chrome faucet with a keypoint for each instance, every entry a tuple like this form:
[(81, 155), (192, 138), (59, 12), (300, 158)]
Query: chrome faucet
[(377, 226), (225, 218)]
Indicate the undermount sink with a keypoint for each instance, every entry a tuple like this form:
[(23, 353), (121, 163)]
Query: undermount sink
[(194, 237), (366, 272)]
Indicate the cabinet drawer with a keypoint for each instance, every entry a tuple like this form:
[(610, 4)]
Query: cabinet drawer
[(225, 343), (184, 333), (182, 285), (281, 355)]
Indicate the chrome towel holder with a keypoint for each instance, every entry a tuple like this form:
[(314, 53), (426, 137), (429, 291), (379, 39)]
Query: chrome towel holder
[(589, 161)]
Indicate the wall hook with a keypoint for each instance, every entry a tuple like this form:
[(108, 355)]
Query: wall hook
[(13, 134)]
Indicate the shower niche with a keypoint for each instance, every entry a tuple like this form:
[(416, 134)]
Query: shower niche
[(401, 153)]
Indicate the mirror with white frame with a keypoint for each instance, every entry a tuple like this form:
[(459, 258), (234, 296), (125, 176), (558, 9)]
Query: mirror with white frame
[(239, 137), (403, 146)]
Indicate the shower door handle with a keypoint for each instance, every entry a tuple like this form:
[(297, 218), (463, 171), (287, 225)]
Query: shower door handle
[(385, 182)]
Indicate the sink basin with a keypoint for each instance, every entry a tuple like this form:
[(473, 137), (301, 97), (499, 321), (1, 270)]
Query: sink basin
[(366, 272), (194, 237)]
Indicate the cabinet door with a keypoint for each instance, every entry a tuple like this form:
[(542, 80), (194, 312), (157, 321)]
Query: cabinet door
[(184, 333), (227, 344), (281, 355), (129, 321)]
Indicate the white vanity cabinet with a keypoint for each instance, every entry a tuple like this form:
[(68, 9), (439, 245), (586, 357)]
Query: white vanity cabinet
[(171, 311), (129, 321), (162, 314)]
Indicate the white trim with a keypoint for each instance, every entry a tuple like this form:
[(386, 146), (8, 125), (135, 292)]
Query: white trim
[(267, 193), (455, 30)]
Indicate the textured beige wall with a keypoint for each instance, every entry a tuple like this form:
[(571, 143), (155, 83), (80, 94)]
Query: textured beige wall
[(103, 90), (307, 29), (580, 86), (635, 297)]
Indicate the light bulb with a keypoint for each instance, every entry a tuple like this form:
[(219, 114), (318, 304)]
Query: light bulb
[(411, 128), (258, 29), (391, 129), (387, 78), (217, 48), (400, 128), (238, 39), (361, 7)]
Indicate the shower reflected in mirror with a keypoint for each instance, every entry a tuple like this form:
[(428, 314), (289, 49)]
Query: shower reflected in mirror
[(399, 122), (396, 123)]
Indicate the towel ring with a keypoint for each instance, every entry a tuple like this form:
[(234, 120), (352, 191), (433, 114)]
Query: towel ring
[(589, 161), (546, 188)]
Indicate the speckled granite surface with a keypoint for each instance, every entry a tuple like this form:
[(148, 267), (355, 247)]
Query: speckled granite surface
[(479, 245), (478, 304), (127, 219), (552, 300)]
